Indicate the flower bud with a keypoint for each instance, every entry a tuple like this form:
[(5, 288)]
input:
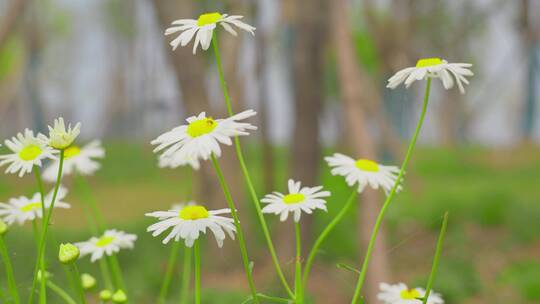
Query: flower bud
[(47, 275), (105, 295), (119, 296), (87, 281), (3, 228), (68, 253)]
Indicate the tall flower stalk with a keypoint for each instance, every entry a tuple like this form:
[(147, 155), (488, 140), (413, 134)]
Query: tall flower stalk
[(186, 277), (436, 258), (10, 276), (298, 288), (324, 234), (388, 201), (247, 177), (197, 253), (241, 241), (40, 265)]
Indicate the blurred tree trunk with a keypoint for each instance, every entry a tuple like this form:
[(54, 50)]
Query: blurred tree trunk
[(190, 72), (11, 17), (529, 37), (308, 75), (267, 150), (354, 89)]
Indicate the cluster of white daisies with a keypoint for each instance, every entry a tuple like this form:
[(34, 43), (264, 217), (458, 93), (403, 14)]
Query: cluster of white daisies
[(198, 140), (30, 151)]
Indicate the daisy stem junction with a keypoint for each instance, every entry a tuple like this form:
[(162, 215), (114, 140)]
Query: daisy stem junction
[(240, 233), (299, 293), (380, 217), (436, 258), (246, 174), (10, 276), (324, 234), (168, 273), (40, 263), (186, 277), (197, 254), (116, 272), (74, 276)]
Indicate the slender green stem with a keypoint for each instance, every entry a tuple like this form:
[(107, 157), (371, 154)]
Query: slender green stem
[(324, 234), (78, 283), (10, 276), (239, 231), (380, 217), (186, 277), (197, 272), (60, 292), (42, 286), (245, 172), (168, 273), (114, 266), (299, 293), (436, 258), (105, 273), (40, 263), (90, 201)]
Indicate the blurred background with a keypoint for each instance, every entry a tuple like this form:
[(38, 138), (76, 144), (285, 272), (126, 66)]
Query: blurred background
[(315, 72)]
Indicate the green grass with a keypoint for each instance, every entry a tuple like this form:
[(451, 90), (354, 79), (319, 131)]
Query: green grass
[(493, 236)]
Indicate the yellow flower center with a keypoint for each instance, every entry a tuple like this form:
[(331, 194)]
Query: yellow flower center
[(294, 198), (72, 151), (367, 165), (201, 127), (193, 212), (30, 207), (410, 294), (104, 241), (427, 62), (30, 152), (208, 18)]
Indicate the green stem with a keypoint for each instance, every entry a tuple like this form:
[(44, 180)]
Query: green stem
[(324, 234), (78, 283), (40, 263), (239, 231), (118, 281), (42, 286), (436, 258), (380, 217), (245, 172), (299, 293), (168, 273), (90, 201), (60, 292), (10, 276), (197, 272), (186, 277), (106, 274)]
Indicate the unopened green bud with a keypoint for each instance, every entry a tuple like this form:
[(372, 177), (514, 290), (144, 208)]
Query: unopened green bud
[(68, 253), (105, 295), (88, 281), (47, 275), (119, 296), (3, 228)]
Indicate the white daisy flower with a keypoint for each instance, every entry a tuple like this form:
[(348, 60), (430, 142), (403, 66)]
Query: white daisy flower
[(174, 161), (201, 138), (188, 221), (28, 151), (434, 68), (364, 172), (203, 29), (60, 137), (299, 199), (401, 294), (22, 209), (109, 243), (77, 160)]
